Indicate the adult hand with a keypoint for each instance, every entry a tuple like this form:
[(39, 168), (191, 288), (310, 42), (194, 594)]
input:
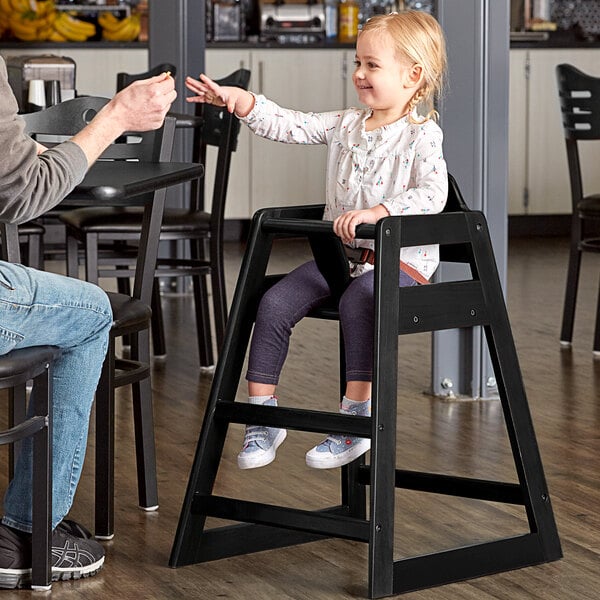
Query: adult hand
[(143, 104)]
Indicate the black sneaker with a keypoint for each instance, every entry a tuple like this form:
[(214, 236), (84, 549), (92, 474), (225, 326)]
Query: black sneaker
[(75, 529), (72, 557)]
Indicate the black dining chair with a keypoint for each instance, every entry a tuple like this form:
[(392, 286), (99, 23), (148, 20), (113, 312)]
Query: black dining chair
[(17, 368), (131, 315), (194, 225), (579, 95)]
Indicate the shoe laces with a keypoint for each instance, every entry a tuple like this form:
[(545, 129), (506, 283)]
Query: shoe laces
[(335, 439), (254, 434)]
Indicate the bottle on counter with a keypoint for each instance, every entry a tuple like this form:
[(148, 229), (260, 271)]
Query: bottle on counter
[(348, 21), (331, 19)]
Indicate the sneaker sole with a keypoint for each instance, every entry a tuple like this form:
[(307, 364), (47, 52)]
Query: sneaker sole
[(59, 574), (11, 579), (332, 461), (246, 462)]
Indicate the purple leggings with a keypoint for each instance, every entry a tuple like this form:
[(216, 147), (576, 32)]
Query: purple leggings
[(291, 299)]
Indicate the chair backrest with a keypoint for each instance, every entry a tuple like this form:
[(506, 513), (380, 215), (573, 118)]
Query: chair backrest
[(579, 96), (63, 120), (124, 79), (221, 129)]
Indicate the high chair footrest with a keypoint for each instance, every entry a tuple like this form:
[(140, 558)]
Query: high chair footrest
[(293, 418)]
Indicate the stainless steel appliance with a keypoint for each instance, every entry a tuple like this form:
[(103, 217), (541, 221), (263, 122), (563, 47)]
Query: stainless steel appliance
[(227, 21), (47, 67), (292, 23)]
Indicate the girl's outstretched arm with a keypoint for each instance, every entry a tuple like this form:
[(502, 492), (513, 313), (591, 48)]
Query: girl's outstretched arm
[(235, 99)]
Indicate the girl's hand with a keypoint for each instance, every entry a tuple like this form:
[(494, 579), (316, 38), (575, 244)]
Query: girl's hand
[(235, 99), (345, 225)]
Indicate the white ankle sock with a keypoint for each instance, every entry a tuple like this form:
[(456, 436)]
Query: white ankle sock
[(362, 408), (260, 399)]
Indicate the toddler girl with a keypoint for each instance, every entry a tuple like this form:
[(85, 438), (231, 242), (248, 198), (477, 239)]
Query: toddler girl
[(385, 159)]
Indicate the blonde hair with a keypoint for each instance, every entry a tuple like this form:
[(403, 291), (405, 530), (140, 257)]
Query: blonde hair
[(418, 38)]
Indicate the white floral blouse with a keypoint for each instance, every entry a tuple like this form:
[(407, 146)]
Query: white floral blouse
[(400, 165)]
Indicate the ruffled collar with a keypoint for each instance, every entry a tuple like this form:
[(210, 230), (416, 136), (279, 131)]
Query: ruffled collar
[(385, 131)]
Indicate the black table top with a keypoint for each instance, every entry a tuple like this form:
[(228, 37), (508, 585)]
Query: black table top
[(118, 182)]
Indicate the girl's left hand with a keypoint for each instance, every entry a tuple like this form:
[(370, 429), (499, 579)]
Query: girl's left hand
[(345, 225)]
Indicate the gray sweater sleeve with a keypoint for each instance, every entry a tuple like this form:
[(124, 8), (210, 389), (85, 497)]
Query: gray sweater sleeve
[(31, 184)]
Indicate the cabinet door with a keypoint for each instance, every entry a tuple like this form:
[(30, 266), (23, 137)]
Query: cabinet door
[(350, 99), (517, 133), (548, 170), (307, 80), (220, 63)]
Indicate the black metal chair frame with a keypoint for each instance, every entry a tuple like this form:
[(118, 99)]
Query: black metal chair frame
[(463, 237), (131, 314), (17, 368), (580, 110)]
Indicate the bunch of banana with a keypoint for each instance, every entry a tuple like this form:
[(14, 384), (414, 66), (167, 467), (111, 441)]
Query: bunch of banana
[(119, 30), (17, 6), (29, 20), (4, 24), (71, 29)]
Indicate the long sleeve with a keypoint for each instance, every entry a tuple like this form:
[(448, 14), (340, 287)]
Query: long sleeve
[(31, 184), (273, 122)]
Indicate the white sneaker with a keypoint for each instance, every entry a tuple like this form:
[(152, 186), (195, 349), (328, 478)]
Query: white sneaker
[(260, 446), (336, 451)]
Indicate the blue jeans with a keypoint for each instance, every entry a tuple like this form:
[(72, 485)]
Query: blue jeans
[(38, 308), (291, 299)]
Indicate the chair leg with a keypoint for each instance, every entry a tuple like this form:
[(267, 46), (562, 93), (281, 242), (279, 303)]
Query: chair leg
[(219, 293), (597, 331), (17, 411), (203, 327), (41, 530), (35, 254), (144, 427), (72, 256), (91, 258), (566, 334), (159, 344), (124, 287), (105, 448)]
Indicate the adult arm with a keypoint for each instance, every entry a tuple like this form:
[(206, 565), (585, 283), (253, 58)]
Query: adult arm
[(32, 182)]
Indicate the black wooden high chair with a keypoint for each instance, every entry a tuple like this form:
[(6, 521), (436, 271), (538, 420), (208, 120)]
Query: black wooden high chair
[(463, 237)]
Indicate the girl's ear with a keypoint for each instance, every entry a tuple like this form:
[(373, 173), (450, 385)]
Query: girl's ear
[(414, 76)]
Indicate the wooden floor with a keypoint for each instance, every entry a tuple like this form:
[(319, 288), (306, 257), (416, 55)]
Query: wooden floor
[(466, 438)]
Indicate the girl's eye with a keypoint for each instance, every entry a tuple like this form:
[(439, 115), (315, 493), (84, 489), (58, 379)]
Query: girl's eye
[(372, 65), (357, 63)]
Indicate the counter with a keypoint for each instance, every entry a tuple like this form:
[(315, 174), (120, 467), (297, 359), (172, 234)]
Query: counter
[(554, 39)]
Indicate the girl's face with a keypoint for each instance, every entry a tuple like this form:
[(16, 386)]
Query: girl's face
[(382, 81)]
